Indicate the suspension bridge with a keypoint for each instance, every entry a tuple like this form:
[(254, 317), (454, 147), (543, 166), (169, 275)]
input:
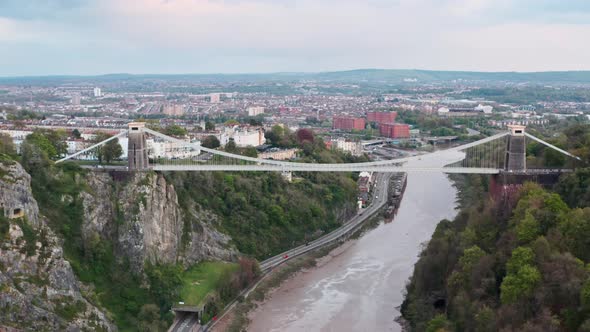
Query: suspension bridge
[(503, 152)]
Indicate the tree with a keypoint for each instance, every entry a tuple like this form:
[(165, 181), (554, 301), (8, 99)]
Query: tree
[(470, 257), (210, 142), (109, 151), (175, 130), (250, 152), (304, 135), (33, 156), (527, 229), (575, 227), (6, 145), (231, 122), (76, 133), (585, 294), (112, 150), (517, 286), (438, 324), (149, 318), (209, 126), (520, 256), (231, 146), (40, 139)]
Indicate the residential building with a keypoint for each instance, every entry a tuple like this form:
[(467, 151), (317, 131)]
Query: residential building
[(278, 154), (381, 117), (352, 147), (173, 109), (18, 136), (348, 123), (97, 92), (246, 136), (465, 111), (75, 100), (172, 150), (255, 110), (394, 130), (215, 97)]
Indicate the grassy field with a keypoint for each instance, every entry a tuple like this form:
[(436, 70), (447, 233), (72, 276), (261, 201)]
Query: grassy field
[(200, 279)]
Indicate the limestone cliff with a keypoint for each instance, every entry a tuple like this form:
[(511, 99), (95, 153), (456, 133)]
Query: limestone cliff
[(141, 214), (38, 289)]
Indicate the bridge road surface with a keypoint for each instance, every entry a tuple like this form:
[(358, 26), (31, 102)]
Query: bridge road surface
[(380, 194)]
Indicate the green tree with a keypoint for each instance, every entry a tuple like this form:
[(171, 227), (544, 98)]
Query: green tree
[(516, 287), (250, 152), (109, 151), (76, 133), (175, 130), (575, 227), (439, 324), (165, 281), (211, 142), (231, 146), (231, 122), (485, 320), (521, 256), (527, 229), (42, 141), (470, 257), (585, 294), (6, 145), (209, 126)]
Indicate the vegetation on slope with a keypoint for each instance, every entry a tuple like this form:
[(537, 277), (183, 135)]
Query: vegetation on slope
[(511, 265), (262, 212)]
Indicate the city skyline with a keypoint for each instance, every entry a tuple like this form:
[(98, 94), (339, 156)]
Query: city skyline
[(66, 37)]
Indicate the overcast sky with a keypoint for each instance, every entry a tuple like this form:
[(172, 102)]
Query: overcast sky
[(42, 37)]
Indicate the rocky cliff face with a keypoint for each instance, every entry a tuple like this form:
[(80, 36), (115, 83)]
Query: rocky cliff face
[(15, 192), (142, 216), (38, 289)]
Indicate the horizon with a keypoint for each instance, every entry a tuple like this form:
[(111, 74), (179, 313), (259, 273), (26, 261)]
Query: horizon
[(292, 72), (90, 37)]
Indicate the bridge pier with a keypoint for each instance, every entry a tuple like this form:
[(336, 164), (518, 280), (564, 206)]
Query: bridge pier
[(505, 185), (515, 149), (137, 147)]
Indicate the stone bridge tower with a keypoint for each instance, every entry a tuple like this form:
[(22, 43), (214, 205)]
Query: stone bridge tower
[(515, 149), (137, 147)]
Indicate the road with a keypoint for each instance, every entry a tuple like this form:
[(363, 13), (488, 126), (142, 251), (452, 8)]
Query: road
[(379, 199)]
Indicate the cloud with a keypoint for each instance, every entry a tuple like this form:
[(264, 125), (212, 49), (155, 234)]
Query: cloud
[(278, 35)]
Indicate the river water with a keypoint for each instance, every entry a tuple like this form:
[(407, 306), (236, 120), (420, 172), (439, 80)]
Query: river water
[(361, 285)]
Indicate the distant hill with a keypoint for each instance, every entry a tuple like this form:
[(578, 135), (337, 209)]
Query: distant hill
[(397, 75), (391, 76)]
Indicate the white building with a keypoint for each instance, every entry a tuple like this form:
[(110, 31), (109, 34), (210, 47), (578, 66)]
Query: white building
[(172, 150), (354, 148), (75, 100), (278, 154), (249, 137), (97, 92), (255, 110), (18, 136), (215, 97), (484, 109)]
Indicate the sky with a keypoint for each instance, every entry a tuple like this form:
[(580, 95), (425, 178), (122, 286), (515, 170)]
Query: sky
[(89, 37)]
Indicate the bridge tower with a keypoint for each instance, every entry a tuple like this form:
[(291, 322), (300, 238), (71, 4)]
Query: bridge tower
[(137, 147), (515, 149)]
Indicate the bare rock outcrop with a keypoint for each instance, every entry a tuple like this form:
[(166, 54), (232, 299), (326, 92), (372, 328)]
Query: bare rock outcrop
[(38, 288), (142, 216)]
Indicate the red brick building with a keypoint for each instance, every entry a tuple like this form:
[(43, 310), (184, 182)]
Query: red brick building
[(394, 130), (348, 123), (381, 117)]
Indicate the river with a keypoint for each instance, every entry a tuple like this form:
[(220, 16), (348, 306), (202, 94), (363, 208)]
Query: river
[(361, 285)]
